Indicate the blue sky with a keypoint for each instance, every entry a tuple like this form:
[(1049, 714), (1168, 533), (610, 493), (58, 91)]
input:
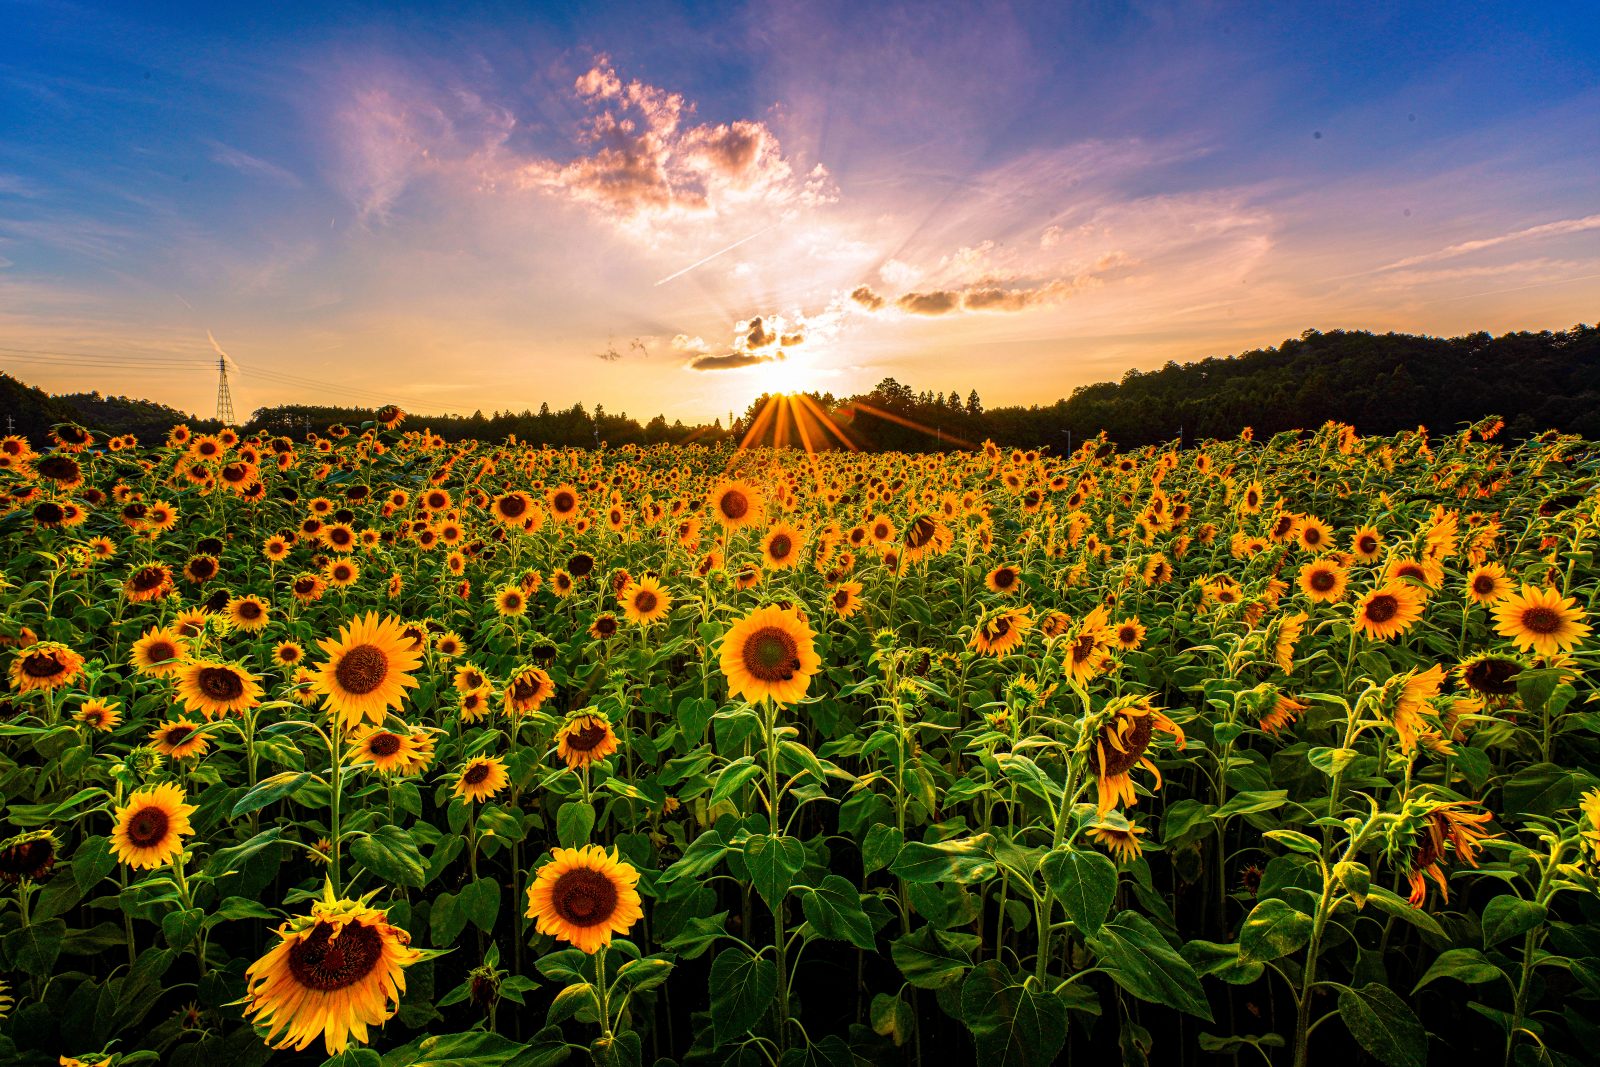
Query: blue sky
[(675, 207)]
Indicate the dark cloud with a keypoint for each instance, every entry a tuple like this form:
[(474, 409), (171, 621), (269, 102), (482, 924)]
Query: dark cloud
[(937, 302), (789, 340), (758, 335), (868, 299), (734, 360)]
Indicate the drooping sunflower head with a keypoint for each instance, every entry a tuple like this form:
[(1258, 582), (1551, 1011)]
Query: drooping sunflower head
[(1491, 675), (529, 687), (368, 669), (998, 633), (28, 857), (585, 896), (150, 827), (585, 738), (1119, 837), (769, 654), (333, 974), (1123, 731)]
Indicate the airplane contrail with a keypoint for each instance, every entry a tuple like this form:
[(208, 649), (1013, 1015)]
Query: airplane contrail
[(218, 348), (714, 255)]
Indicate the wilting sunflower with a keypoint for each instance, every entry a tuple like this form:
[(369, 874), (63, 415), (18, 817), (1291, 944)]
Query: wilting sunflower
[(383, 750), (585, 739), (368, 669), (1488, 584), (584, 896), (846, 599), (529, 687), (179, 739), (151, 826), (1123, 843), (1003, 579), (1446, 828), (999, 633), (1324, 581), (28, 857), (1285, 711), (769, 654), (735, 505), (1085, 654), (645, 601), (1408, 698), (1388, 611), (214, 688), (46, 665), (101, 715), (481, 779), (1541, 620), (1127, 725), (780, 548), (248, 614), (1491, 675), (333, 974)]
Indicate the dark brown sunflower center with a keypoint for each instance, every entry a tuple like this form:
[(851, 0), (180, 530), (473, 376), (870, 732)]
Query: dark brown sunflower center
[(148, 827), (1492, 676), (161, 651), (920, 532), (177, 735), (362, 669), (1483, 584), (513, 506), (325, 963), (58, 468), (249, 610), (1367, 545), (1134, 743), (305, 586), (1382, 608), (734, 504), (1312, 536), (220, 683), (383, 745), (1412, 571), (781, 546), (564, 502), (841, 598), (1323, 580), (999, 627), (1004, 577), (148, 578), (586, 738), (476, 773), (1083, 648), (1282, 527), (49, 513), (605, 626), (581, 565), (584, 897), (1541, 620), (524, 689), (645, 601), (42, 665), (1127, 635), (771, 654)]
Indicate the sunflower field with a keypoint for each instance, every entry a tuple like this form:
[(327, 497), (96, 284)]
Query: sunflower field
[(372, 749)]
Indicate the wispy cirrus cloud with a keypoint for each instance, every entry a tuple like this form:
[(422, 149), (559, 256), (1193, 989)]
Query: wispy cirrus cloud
[(255, 166), (1559, 228)]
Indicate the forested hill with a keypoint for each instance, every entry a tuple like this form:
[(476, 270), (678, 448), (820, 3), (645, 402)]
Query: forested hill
[(1379, 383)]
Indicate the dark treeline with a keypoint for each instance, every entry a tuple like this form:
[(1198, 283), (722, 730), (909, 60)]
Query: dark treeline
[(1379, 383)]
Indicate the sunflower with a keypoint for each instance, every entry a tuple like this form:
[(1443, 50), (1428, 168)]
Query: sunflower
[(564, 503), (474, 704), (1366, 544), (481, 779), (846, 599), (1410, 695), (781, 547), (1314, 534), (604, 626), (510, 601), (1290, 627), (1003, 579), (150, 827), (28, 857), (1086, 654), (308, 588), (735, 505), (1285, 711), (769, 654), (1427, 572), (1123, 843), (1446, 829), (368, 669), (561, 583), (333, 974), (1129, 634), (469, 676), (214, 688), (1001, 632), (179, 739), (288, 653), (247, 614), (45, 665), (101, 715), (201, 569), (342, 573), (150, 582), (1491, 675), (383, 750), (1488, 584), (1324, 581), (585, 739), (528, 688), (1127, 725), (1541, 620), (1388, 611), (450, 645), (584, 896), (645, 601)]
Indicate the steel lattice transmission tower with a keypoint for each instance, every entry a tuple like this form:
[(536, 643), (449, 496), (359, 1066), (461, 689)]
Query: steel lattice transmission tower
[(224, 397)]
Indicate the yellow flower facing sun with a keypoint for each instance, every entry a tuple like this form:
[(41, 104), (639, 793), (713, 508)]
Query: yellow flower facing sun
[(214, 688), (1388, 611), (1487, 584), (481, 779), (368, 669), (584, 896), (1323, 581), (45, 666), (333, 974), (1541, 620), (585, 739), (101, 715), (150, 827), (645, 601), (769, 654)]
